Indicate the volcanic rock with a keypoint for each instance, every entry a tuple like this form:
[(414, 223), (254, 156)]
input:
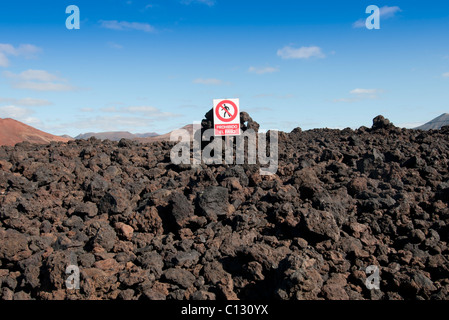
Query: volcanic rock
[(139, 227)]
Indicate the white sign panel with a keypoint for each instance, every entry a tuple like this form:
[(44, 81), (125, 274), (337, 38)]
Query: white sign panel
[(226, 117)]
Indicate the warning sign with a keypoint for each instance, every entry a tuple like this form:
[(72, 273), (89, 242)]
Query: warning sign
[(226, 117)]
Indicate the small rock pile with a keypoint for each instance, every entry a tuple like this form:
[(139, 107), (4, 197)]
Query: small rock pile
[(140, 227)]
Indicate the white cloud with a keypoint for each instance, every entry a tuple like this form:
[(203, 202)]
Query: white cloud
[(38, 80), (361, 23), (116, 122), (148, 6), (364, 91), (300, 53), (145, 111), (43, 86), (125, 25), (262, 70), (26, 102), (20, 114), (110, 123), (385, 12), (210, 81), (7, 48), (14, 112), (113, 118), (445, 75), (209, 3), (359, 94), (32, 121), (149, 111), (39, 75), (25, 50), (4, 62), (141, 109)]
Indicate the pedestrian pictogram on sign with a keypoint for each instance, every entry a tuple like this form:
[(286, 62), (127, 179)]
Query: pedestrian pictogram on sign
[(226, 111), (226, 117)]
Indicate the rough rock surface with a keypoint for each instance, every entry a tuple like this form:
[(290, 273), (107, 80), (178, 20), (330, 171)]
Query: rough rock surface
[(140, 227)]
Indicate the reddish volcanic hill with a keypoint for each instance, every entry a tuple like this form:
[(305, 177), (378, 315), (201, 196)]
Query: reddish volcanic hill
[(13, 131)]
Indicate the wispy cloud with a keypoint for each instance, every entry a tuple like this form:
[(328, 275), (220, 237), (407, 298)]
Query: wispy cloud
[(125, 25), (25, 50), (38, 80), (146, 111), (113, 118), (114, 45), (149, 6), (445, 75), (20, 114), (209, 3), (209, 81), (12, 111), (110, 123), (361, 23), (289, 52), (359, 94), (39, 75), (359, 91), (43, 86), (27, 102), (385, 12), (149, 111), (4, 62), (262, 70)]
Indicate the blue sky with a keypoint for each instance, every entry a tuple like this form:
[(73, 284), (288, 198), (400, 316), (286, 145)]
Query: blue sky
[(156, 65)]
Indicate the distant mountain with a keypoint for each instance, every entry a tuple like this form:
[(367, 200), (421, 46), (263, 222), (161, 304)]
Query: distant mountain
[(436, 123), (146, 135), (166, 136), (115, 135), (13, 131)]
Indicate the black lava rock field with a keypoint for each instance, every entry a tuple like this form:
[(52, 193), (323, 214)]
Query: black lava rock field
[(140, 227)]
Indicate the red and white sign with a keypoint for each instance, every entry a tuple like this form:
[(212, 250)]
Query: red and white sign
[(226, 117)]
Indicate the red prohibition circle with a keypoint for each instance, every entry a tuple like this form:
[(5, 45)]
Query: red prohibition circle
[(220, 106)]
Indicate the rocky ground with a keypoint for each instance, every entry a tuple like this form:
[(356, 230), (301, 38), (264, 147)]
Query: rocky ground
[(140, 227)]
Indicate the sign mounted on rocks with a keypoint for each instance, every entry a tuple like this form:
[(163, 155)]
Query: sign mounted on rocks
[(226, 117)]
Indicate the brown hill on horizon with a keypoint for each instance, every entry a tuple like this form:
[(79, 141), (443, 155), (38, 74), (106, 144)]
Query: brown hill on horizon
[(13, 131), (115, 135), (166, 136)]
